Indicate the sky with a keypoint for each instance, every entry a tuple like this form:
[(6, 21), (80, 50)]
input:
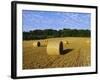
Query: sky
[(32, 20)]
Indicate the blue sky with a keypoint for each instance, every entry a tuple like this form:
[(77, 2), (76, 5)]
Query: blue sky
[(32, 20)]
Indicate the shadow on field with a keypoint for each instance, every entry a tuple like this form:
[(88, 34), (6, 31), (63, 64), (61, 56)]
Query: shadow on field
[(66, 51)]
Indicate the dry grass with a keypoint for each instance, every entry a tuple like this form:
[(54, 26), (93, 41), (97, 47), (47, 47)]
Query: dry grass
[(76, 54)]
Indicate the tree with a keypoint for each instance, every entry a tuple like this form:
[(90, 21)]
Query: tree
[(50, 33)]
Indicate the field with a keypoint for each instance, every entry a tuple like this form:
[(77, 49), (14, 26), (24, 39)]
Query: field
[(76, 54)]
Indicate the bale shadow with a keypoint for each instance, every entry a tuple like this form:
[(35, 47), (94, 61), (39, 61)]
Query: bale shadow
[(66, 51)]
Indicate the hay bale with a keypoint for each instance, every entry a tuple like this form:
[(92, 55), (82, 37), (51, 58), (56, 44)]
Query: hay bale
[(65, 41), (36, 44), (43, 43), (46, 42), (40, 43), (55, 48)]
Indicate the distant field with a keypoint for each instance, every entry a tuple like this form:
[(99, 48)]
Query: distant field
[(77, 54)]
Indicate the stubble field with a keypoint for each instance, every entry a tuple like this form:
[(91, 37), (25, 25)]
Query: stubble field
[(76, 54)]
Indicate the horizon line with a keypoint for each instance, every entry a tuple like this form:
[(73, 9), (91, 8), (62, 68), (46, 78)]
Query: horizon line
[(57, 29)]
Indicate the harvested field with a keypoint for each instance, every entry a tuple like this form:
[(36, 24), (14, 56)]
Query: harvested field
[(76, 53)]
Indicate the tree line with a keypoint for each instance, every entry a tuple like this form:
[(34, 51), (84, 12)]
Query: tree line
[(51, 33)]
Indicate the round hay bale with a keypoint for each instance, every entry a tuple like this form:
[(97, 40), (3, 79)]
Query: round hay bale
[(55, 48), (36, 44), (65, 41), (46, 42), (43, 43)]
